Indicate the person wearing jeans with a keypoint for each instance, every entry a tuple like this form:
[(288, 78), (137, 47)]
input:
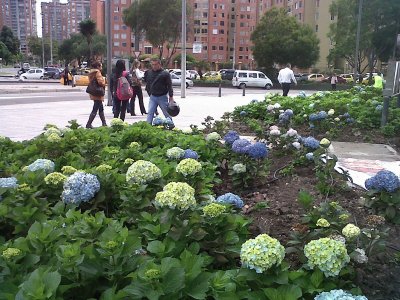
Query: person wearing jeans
[(158, 87), (95, 73)]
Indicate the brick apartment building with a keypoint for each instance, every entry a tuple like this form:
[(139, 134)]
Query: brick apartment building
[(60, 20), (20, 16)]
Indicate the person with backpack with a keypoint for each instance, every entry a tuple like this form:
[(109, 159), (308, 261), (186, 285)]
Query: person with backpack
[(121, 84), (95, 74), (158, 87)]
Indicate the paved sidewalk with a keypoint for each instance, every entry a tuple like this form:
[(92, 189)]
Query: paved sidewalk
[(25, 121), (24, 88)]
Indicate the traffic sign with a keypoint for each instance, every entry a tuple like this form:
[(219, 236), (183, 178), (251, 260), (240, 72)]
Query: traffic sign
[(137, 53)]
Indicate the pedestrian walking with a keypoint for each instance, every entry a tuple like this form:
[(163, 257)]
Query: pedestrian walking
[(158, 87), (334, 81), (95, 74), (120, 84), (137, 87), (66, 75), (285, 78), (74, 72)]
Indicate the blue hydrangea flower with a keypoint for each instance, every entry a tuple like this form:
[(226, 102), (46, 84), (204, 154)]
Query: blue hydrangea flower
[(284, 118), (313, 117), (243, 113), (257, 150), (8, 182), (41, 164), (346, 115), (230, 137), (240, 146), (230, 198), (80, 187), (338, 295), (157, 121), (289, 112), (254, 101), (189, 153), (383, 180), (349, 120), (311, 142), (302, 94), (379, 107), (310, 156), (322, 115)]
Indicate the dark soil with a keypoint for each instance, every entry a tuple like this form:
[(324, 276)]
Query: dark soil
[(380, 278)]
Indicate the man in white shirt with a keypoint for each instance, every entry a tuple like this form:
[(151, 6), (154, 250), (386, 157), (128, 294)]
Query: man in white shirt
[(285, 78)]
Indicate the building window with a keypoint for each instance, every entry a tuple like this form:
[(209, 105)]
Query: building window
[(332, 17), (116, 27), (221, 48), (300, 4), (215, 31), (116, 9), (116, 35), (222, 23), (316, 28), (204, 30), (300, 16), (123, 44), (116, 44), (123, 36), (124, 27), (148, 50), (213, 47), (222, 31), (317, 3), (116, 18)]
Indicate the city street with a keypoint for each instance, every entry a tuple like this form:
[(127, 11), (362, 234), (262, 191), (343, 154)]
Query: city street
[(23, 116)]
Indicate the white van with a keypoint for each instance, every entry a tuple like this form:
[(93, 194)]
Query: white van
[(244, 78)]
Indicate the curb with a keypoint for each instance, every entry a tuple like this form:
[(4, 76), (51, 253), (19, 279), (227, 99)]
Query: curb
[(24, 91)]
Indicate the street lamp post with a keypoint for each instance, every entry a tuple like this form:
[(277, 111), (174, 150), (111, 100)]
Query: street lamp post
[(357, 41), (109, 48), (183, 55)]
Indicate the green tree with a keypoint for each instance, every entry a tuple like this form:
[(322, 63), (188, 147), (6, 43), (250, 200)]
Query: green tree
[(88, 29), (380, 23), (36, 45), (5, 54), (8, 38), (76, 47), (279, 38), (162, 30)]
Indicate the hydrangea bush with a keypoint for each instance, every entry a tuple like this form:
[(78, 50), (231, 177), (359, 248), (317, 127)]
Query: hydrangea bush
[(41, 164), (261, 253), (188, 166), (177, 195), (142, 172), (80, 187), (8, 182), (232, 199), (328, 255), (338, 295), (175, 153)]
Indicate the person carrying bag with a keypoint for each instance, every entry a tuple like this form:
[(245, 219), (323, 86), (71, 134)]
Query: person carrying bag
[(96, 91), (121, 84)]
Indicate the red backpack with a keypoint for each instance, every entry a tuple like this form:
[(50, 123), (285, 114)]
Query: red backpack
[(124, 89)]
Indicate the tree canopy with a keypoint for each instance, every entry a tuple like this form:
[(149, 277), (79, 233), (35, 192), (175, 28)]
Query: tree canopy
[(8, 38), (88, 29), (280, 38), (36, 45), (163, 29), (76, 47), (380, 24)]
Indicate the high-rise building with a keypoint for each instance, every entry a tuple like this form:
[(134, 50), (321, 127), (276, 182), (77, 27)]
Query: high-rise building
[(20, 16), (60, 20)]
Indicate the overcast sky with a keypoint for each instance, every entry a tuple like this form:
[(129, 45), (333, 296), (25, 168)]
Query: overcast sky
[(39, 17)]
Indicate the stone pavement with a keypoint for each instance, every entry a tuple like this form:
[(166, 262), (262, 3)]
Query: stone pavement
[(24, 88), (25, 121)]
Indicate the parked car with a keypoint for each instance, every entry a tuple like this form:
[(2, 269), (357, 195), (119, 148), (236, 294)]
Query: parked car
[(339, 78), (212, 75), (54, 73), (33, 74), (315, 77), (176, 81), (178, 72), (227, 74), (17, 65), (243, 78), (365, 79), (194, 74), (348, 77)]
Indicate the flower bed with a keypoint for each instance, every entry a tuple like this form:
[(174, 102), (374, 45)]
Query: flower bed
[(135, 212)]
